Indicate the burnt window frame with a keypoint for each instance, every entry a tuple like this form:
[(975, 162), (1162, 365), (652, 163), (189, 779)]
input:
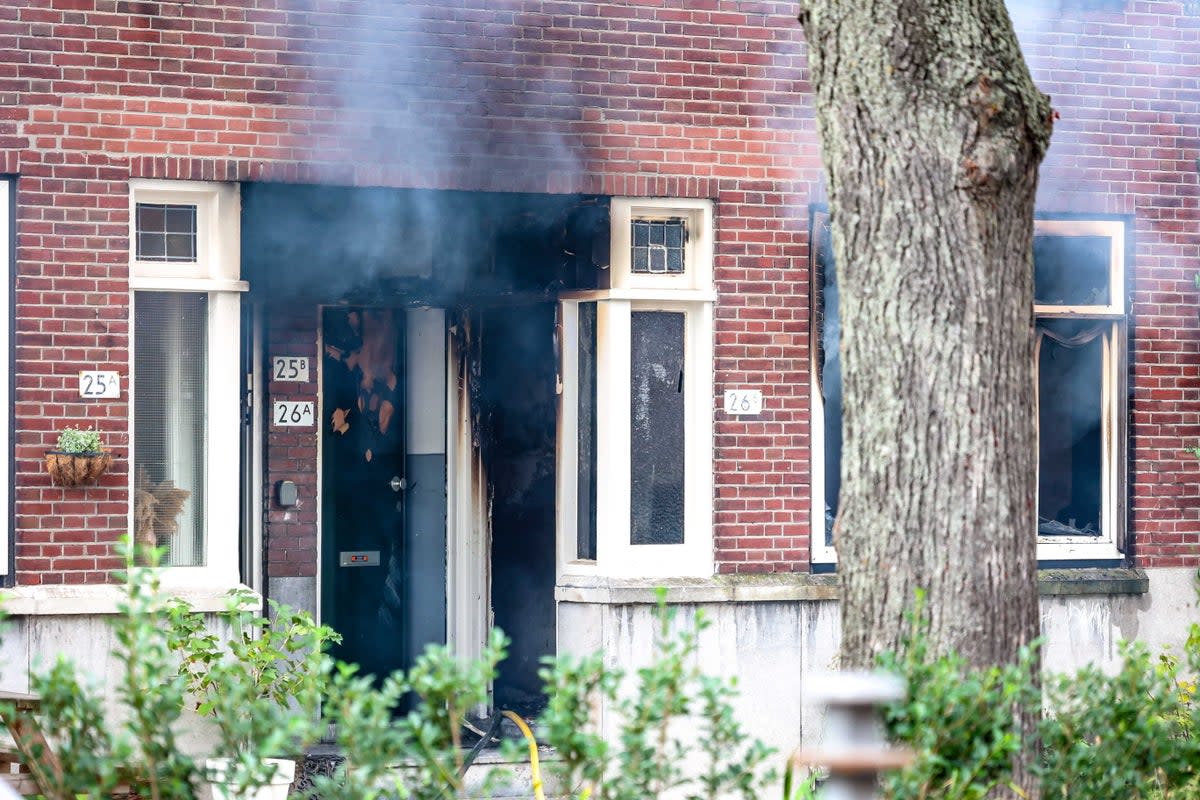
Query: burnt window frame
[(1111, 547), (690, 293), (1111, 544)]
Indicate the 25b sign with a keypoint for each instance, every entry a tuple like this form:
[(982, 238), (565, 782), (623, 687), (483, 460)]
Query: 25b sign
[(289, 368), (293, 414)]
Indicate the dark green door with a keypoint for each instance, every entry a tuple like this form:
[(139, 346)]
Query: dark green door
[(365, 565)]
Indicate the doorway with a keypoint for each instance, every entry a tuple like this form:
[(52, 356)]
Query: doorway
[(383, 551)]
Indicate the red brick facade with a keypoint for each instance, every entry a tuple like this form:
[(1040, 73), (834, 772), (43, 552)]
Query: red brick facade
[(705, 99)]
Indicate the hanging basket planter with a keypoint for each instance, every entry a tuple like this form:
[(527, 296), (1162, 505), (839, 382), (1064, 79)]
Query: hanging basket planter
[(76, 469)]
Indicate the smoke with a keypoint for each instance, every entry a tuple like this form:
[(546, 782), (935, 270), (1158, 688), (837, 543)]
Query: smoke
[(368, 245), (440, 94), (1121, 75)]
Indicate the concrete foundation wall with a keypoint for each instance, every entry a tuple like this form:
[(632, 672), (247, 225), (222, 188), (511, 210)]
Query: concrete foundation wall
[(772, 642), (774, 647)]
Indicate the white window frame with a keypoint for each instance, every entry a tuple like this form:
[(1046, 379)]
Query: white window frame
[(691, 294), (6, 297), (1109, 545), (216, 273)]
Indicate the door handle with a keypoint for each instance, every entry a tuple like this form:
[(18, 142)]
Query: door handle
[(398, 484)]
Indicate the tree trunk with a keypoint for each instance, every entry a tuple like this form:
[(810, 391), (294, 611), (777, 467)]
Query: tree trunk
[(932, 132)]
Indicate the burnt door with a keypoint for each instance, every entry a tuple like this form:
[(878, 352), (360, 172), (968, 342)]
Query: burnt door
[(366, 566)]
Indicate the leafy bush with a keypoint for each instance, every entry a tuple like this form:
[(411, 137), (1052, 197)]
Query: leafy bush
[(668, 696), (377, 737), (1125, 736), (141, 751), (262, 686), (261, 706), (1128, 735), (962, 723), (647, 759), (77, 440)]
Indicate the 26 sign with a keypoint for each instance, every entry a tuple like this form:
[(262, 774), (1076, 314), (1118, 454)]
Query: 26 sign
[(293, 414), (95, 383), (741, 402)]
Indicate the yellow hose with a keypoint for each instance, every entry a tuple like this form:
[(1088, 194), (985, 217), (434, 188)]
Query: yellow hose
[(538, 794)]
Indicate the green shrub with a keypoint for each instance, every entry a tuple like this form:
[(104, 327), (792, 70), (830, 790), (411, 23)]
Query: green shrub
[(962, 723), (77, 440), (1123, 736), (142, 750), (1128, 735), (669, 697), (377, 736), (261, 686)]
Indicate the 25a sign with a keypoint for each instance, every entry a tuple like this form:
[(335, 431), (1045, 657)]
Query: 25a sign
[(293, 414), (289, 368), (94, 383)]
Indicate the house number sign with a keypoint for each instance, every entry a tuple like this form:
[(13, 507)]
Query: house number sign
[(99, 384), (293, 414), (743, 402), (289, 368)]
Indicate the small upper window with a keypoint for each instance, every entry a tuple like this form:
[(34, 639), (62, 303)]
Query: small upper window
[(176, 232), (658, 246), (166, 232), (1078, 267)]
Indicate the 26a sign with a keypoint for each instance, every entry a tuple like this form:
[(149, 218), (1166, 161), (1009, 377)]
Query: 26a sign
[(293, 414), (95, 383)]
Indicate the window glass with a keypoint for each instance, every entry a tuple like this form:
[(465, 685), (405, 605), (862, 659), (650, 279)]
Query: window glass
[(166, 232), (657, 427), (170, 347), (831, 369), (1071, 270), (1070, 424), (585, 503), (658, 246)]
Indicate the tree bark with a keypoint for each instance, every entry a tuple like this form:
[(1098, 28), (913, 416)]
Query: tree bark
[(933, 131)]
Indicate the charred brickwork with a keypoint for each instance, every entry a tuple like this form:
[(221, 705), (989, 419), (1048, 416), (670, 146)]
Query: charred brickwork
[(704, 100)]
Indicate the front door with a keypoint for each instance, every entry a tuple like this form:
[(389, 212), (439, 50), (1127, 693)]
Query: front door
[(370, 568)]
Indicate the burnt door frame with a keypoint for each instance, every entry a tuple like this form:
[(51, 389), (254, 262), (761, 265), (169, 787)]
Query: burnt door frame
[(420, 414), (362, 438)]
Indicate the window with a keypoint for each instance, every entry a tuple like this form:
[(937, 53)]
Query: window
[(166, 232), (1079, 307), (635, 449), (184, 275)]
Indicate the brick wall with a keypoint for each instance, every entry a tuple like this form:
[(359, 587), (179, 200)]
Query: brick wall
[(632, 98), (291, 533)]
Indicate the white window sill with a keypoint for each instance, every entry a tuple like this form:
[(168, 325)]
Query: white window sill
[(808, 587), (777, 587), (72, 600)]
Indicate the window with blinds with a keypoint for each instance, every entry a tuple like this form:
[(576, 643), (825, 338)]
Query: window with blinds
[(170, 366)]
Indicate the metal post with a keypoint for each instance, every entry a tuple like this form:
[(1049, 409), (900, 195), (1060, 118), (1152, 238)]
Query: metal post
[(854, 747)]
